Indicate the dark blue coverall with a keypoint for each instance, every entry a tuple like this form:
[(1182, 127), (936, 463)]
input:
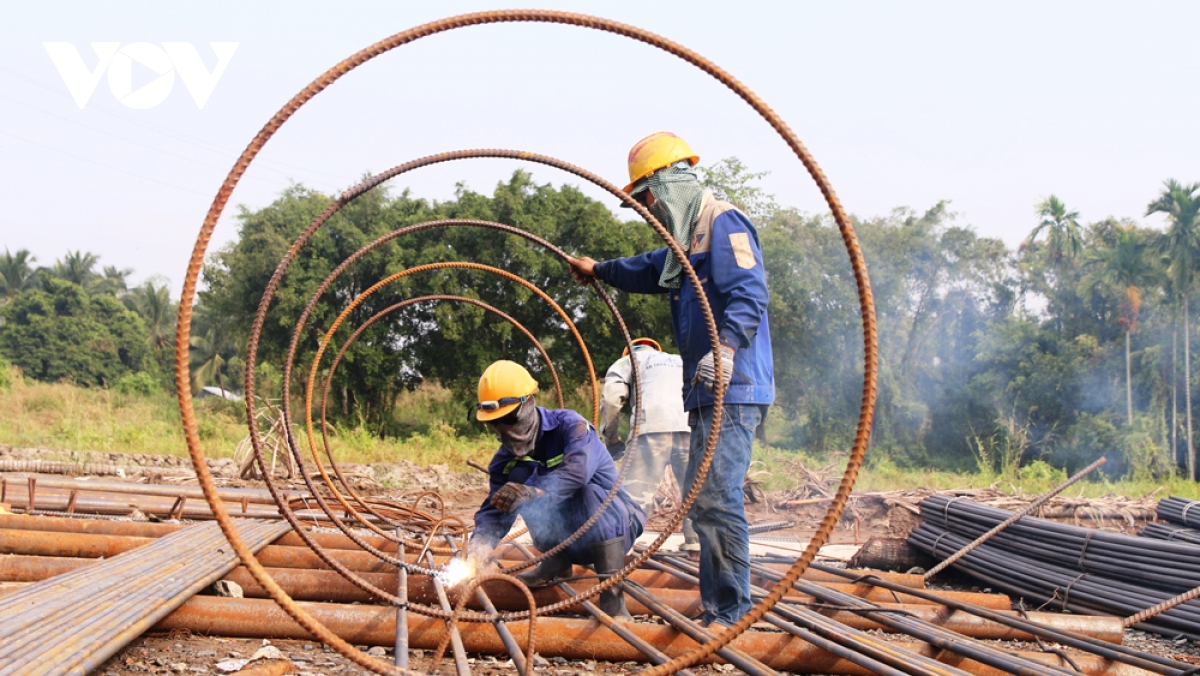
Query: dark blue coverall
[(571, 464)]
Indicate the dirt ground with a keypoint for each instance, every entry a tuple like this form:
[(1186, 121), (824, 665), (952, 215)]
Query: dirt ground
[(868, 515)]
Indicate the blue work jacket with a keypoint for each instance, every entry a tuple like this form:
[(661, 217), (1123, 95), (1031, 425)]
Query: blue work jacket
[(727, 256), (576, 471)]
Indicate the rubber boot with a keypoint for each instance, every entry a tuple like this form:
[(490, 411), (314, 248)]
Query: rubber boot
[(546, 572), (608, 557)]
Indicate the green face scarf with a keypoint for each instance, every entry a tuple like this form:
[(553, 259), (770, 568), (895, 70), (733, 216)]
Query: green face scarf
[(677, 192)]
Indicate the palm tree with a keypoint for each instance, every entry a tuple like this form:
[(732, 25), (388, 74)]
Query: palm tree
[(153, 303), (207, 360), (113, 282), (77, 267), (16, 274), (1181, 245), (209, 349), (1063, 238), (1123, 269)]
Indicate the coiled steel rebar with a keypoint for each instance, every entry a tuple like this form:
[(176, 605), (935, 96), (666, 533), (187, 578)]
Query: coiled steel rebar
[(182, 370)]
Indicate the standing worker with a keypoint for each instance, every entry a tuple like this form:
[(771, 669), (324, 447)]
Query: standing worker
[(663, 432), (552, 470), (722, 245)]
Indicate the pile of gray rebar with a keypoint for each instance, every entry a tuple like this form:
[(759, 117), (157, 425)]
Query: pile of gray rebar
[(73, 622), (1080, 569)]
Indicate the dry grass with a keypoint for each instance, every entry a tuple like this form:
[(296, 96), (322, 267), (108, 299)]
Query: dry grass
[(63, 416)]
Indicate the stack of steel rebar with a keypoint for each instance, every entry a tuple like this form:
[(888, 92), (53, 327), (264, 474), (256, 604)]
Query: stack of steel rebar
[(1079, 569), (1168, 531), (823, 617), (72, 623), (1184, 522), (1180, 510)]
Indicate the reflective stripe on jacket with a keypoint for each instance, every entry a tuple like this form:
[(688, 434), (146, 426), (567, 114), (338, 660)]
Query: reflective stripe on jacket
[(727, 256), (570, 464)]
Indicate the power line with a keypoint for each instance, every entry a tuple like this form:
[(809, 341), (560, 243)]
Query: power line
[(101, 164), (205, 145)]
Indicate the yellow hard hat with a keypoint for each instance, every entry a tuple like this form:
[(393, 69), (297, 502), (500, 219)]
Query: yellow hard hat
[(655, 152), (643, 341), (503, 387)]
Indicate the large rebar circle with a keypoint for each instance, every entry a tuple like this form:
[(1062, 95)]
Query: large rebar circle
[(327, 381), (309, 388), (319, 222), (858, 264)]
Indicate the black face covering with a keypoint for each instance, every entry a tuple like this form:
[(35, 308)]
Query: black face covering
[(518, 430)]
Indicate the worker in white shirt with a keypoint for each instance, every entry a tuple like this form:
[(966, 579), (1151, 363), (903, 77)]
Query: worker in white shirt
[(663, 432)]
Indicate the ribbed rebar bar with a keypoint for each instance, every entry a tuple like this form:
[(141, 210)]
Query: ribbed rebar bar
[(45, 629), (858, 264)]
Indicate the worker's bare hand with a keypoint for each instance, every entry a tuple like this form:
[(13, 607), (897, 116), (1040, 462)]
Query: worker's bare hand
[(584, 269)]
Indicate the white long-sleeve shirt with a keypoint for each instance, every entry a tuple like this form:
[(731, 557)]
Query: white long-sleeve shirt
[(661, 375)]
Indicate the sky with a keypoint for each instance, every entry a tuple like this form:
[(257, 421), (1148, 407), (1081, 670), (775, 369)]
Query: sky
[(991, 105)]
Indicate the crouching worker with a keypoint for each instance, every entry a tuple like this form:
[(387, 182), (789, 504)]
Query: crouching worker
[(552, 470)]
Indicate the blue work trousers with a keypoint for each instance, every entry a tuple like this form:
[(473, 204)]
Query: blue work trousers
[(719, 513)]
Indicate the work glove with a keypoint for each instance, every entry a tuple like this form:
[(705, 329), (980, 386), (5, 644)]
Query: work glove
[(616, 450), (512, 496), (706, 369)]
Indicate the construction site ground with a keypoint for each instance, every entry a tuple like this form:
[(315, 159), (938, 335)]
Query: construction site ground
[(880, 514)]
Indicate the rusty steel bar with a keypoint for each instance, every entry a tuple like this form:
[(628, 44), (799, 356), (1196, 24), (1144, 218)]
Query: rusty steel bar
[(253, 495), (858, 265), (148, 529), (66, 467), (1160, 608), (46, 629), (654, 654), (1016, 516), (569, 638), (506, 551), (58, 500), (325, 585), (1117, 653)]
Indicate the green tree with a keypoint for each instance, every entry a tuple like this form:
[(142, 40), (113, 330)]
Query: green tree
[(16, 274), (443, 342), (152, 301), (77, 267), (733, 182), (1181, 246), (113, 282), (1063, 240), (210, 350), (1124, 270), (62, 332)]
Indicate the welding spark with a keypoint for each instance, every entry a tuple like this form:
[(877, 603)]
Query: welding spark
[(456, 571)]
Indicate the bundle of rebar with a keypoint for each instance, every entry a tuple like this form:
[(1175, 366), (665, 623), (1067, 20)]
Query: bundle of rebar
[(1180, 510), (1170, 532), (1073, 568), (72, 623)]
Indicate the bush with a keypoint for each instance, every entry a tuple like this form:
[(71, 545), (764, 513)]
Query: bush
[(62, 332), (9, 375), (140, 384)]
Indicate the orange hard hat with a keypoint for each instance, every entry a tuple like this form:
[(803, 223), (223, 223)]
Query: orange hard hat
[(650, 342)]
